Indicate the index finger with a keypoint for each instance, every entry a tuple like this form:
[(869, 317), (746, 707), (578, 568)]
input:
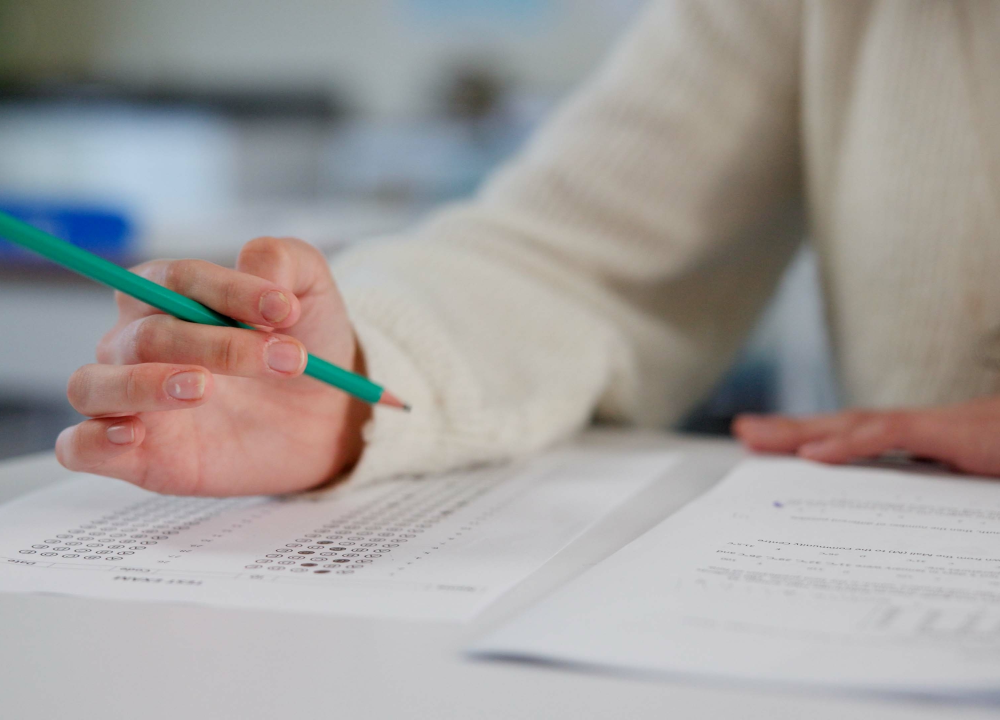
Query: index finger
[(238, 295)]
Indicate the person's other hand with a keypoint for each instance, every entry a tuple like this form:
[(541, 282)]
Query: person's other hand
[(190, 409), (965, 436)]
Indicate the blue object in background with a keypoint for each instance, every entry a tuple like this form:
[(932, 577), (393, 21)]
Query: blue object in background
[(102, 231)]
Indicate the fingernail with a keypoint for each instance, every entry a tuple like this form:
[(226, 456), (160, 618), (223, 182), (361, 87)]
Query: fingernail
[(123, 434), (186, 386), (274, 306), (285, 357)]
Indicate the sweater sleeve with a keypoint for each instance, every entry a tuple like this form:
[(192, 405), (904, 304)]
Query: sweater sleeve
[(613, 268)]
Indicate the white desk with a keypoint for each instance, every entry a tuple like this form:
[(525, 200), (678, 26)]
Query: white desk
[(100, 660)]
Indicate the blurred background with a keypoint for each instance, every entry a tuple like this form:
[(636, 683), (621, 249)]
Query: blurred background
[(145, 128)]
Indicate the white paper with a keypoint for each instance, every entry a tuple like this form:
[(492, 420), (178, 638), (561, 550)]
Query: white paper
[(431, 548), (791, 572)]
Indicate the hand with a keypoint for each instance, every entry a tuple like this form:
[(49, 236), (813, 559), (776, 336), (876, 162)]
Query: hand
[(965, 436), (191, 409)]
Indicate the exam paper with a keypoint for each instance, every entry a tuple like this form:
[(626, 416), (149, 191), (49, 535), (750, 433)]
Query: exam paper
[(437, 548), (791, 572)]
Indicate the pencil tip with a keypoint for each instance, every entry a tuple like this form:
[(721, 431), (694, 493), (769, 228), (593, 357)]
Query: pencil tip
[(392, 401)]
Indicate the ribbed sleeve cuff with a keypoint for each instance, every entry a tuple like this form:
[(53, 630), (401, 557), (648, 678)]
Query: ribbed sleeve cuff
[(396, 442)]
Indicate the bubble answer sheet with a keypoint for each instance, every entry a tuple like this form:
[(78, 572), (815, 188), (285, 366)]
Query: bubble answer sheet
[(788, 572), (436, 548)]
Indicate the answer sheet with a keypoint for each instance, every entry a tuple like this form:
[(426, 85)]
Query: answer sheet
[(791, 572), (437, 548)]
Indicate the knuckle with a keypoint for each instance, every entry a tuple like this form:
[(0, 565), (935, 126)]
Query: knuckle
[(231, 295), (153, 270), (122, 300), (145, 268), (64, 456), (78, 388), (307, 249), (71, 454), (882, 427), (264, 250), (313, 266), (147, 336), (894, 424), (133, 385), (106, 351), (229, 355), (177, 273), (142, 340)]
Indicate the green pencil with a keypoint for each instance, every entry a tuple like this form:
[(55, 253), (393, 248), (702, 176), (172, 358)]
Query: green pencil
[(107, 273)]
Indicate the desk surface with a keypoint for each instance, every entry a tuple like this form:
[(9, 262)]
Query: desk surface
[(102, 660)]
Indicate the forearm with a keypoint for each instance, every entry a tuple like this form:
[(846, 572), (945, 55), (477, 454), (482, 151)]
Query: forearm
[(613, 267)]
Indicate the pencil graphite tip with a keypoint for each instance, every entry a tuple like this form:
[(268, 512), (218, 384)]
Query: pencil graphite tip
[(392, 401)]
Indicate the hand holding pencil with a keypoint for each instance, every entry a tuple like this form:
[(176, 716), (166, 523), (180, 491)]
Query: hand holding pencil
[(183, 408)]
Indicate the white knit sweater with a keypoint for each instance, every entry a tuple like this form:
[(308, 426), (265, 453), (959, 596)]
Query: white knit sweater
[(616, 265)]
